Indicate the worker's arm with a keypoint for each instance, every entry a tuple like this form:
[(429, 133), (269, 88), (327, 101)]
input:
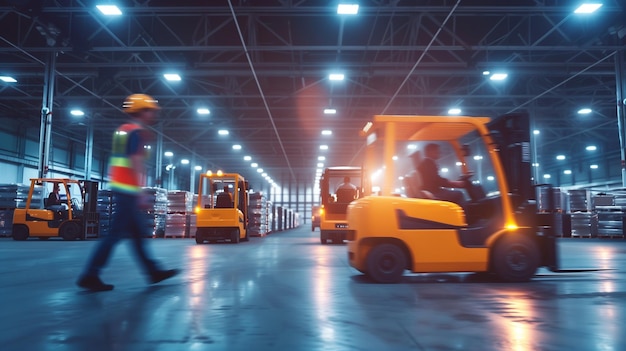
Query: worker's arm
[(136, 154)]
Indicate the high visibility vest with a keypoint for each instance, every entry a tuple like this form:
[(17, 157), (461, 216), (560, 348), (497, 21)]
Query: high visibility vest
[(123, 177)]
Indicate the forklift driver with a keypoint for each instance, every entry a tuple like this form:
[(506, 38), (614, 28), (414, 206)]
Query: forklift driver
[(436, 184)]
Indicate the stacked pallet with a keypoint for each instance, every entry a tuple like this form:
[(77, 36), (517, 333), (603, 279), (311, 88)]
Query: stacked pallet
[(179, 208), (15, 195), (258, 224), (610, 211), (582, 218), (156, 214), (105, 210)]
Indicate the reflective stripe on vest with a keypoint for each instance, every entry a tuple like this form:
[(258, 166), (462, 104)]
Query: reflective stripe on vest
[(123, 177)]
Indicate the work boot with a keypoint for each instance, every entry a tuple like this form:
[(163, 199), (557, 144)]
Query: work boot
[(158, 276), (93, 283)]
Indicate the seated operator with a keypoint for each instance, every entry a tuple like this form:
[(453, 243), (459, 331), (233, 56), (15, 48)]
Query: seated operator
[(436, 184), (346, 191)]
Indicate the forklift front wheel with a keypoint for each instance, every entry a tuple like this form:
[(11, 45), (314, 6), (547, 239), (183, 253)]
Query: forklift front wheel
[(515, 258), (70, 231), (20, 232), (234, 236), (386, 263)]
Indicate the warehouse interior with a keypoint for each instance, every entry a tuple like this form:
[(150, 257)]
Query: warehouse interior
[(277, 91)]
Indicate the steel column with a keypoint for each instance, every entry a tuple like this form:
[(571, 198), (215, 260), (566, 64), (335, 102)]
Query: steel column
[(46, 115)]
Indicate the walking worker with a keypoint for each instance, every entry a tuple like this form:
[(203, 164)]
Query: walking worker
[(127, 176)]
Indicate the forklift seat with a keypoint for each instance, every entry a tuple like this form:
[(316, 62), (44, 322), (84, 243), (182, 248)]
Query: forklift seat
[(224, 200)]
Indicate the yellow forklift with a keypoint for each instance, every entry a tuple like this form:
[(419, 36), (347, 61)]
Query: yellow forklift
[(338, 187), (498, 230), (72, 217), (222, 208)]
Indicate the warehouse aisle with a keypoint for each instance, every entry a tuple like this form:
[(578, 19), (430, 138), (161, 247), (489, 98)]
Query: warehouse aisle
[(287, 292)]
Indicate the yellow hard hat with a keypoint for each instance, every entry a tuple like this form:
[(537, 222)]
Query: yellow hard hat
[(137, 102)]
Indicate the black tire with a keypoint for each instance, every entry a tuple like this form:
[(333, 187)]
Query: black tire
[(44, 238), (20, 232), (386, 263), (312, 228), (70, 230), (337, 241), (234, 236), (199, 240), (246, 237), (515, 258), (323, 238)]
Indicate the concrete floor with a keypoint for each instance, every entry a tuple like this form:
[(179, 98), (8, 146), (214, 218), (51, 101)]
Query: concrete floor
[(288, 292)]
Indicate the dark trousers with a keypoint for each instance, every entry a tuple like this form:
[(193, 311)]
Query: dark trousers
[(127, 221)]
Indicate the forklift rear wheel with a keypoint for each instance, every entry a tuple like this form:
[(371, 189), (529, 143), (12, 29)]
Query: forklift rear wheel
[(515, 259), (70, 230), (386, 263), (199, 240), (234, 236), (20, 232), (323, 238)]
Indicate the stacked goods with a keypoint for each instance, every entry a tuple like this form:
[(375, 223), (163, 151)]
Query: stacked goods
[(610, 211), (15, 196), (582, 219), (258, 224), (269, 209), (6, 222), (179, 206), (156, 214), (105, 211)]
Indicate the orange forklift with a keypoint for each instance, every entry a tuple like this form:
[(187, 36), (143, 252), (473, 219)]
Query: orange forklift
[(73, 218)]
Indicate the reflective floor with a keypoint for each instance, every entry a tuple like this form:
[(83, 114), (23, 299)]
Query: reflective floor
[(287, 292)]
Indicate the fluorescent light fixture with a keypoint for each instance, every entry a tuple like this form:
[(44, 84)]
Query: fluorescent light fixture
[(444, 170), (459, 163), (591, 148), (536, 132), (264, 175), (347, 9), (327, 132), (336, 76), (478, 157), (567, 171), (454, 111), (491, 178), (254, 165), (109, 10), (168, 154), (321, 158), (547, 176), (323, 147), (560, 157), (223, 132), (593, 166), (320, 165), (588, 8), (411, 146), (330, 111), (198, 168), (259, 170), (8, 79), (486, 73), (172, 77), (394, 157), (498, 76), (203, 111), (536, 164), (247, 158), (584, 111), (236, 147), (184, 161), (77, 113)]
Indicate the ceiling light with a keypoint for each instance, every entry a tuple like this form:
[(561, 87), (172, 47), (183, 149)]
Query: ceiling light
[(330, 111), (109, 10), (172, 77), (77, 113), (198, 168), (168, 154), (254, 165), (347, 9), (236, 147), (247, 158), (593, 166), (323, 147), (536, 132), (203, 111), (336, 76), (491, 178), (184, 161), (8, 79), (567, 171), (259, 170), (327, 132), (584, 111), (587, 8), (486, 73), (321, 158), (591, 148), (547, 176), (454, 111), (320, 165), (560, 157), (222, 132), (411, 146), (498, 76)]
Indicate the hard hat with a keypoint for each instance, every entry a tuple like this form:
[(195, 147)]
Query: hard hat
[(137, 102)]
